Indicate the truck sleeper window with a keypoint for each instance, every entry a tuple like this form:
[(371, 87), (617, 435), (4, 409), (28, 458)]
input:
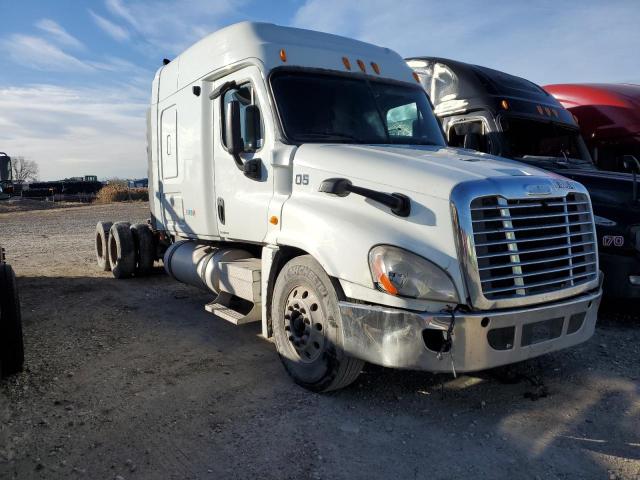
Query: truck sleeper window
[(318, 107)]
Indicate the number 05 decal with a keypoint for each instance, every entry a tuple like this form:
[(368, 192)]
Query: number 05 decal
[(615, 240), (302, 179)]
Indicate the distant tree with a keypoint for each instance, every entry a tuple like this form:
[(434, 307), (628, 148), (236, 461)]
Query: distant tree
[(24, 170)]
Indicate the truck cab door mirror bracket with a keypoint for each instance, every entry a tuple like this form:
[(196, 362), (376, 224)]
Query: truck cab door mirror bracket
[(632, 164), (398, 203)]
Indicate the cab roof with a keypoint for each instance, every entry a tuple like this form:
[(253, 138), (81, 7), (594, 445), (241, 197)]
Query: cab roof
[(474, 87), (262, 43), (604, 110)]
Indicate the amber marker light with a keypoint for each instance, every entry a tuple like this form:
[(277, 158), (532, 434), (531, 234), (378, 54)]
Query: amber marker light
[(283, 55), (387, 285), (416, 77), (504, 104), (375, 67), (361, 65), (273, 220), (346, 63)]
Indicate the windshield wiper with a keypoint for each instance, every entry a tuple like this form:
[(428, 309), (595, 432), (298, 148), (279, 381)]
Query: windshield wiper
[(328, 136)]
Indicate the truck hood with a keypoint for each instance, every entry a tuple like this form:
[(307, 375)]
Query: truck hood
[(428, 170)]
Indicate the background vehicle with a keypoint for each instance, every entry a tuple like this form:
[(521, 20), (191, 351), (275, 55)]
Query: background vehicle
[(494, 112), (340, 219), (6, 175), (609, 118), (11, 343)]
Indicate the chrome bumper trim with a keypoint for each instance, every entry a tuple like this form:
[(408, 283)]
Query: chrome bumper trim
[(393, 337)]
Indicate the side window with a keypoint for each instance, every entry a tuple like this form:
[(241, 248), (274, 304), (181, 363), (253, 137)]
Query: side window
[(245, 95), (469, 134), (402, 120), (444, 84)]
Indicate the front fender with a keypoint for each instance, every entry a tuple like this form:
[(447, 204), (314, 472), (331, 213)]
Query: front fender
[(339, 232)]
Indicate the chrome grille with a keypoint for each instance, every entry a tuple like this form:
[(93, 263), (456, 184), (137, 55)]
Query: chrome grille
[(533, 246)]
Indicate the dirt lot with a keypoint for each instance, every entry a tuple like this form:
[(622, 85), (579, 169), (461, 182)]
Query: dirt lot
[(133, 379)]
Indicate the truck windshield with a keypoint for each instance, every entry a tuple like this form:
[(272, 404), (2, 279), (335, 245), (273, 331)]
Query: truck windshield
[(320, 108), (529, 139)]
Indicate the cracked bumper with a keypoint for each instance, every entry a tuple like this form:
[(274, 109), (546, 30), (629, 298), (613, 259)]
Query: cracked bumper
[(394, 337)]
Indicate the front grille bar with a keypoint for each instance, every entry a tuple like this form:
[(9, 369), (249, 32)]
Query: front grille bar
[(563, 246), (530, 205), (542, 272), (535, 239), (541, 284), (537, 227), (534, 262)]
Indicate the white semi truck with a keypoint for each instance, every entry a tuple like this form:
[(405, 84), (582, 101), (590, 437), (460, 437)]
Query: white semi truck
[(303, 179)]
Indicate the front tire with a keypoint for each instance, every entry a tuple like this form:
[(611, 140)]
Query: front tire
[(307, 328)]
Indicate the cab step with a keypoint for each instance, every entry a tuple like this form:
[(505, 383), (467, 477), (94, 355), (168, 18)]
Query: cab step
[(224, 307)]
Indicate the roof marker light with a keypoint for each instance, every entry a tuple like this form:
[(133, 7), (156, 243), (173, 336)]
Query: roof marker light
[(283, 55), (346, 62), (547, 110), (540, 110), (416, 77), (375, 67), (504, 104), (555, 112), (361, 65)]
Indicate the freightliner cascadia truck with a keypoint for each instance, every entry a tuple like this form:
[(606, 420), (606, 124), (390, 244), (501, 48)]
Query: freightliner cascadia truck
[(501, 114), (303, 179), (609, 119)]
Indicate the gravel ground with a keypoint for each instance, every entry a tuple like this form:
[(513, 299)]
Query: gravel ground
[(132, 379)]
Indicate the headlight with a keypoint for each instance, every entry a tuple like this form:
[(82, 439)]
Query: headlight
[(403, 273)]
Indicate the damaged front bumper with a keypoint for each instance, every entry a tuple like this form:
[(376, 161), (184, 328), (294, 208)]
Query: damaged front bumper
[(480, 340)]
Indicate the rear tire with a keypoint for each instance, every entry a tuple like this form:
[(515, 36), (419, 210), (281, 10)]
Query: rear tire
[(102, 245), (307, 328), (11, 343), (144, 248), (122, 252)]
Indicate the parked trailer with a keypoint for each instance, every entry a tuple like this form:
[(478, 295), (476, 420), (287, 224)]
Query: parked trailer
[(11, 343), (501, 114), (303, 180), (609, 119)]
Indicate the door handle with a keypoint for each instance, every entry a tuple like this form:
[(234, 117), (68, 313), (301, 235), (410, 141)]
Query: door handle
[(221, 210)]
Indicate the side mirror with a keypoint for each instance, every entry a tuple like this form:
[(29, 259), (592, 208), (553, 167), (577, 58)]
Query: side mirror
[(251, 128), (631, 163), (232, 132), (472, 141)]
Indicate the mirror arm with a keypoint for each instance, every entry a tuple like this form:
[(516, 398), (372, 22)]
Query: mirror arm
[(398, 203)]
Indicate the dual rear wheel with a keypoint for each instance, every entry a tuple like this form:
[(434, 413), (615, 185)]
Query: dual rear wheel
[(125, 249)]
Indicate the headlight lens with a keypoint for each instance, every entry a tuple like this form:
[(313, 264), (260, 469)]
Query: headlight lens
[(399, 272)]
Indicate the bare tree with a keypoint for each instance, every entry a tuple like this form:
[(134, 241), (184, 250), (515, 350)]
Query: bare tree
[(24, 170)]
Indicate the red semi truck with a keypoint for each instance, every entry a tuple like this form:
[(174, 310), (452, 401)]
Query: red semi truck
[(609, 119)]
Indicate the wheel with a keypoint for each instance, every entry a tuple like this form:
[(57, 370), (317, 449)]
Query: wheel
[(307, 328), (102, 242), (144, 248), (122, 252), (11, 344)]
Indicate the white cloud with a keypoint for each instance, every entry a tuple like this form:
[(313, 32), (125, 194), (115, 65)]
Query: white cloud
[(173, 25), (59, 34), (76, 131), (588, 41), (37, 53), (113, 30)]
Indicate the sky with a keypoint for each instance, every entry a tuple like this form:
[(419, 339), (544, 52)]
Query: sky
[(75, 76)]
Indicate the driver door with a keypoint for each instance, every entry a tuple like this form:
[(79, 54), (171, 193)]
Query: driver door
[(242, 202)]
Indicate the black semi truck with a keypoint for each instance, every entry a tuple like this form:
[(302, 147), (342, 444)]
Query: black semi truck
[(11, 343), (501, 114)]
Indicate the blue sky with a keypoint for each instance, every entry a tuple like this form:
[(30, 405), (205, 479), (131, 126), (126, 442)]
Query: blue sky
[(75, 75)]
